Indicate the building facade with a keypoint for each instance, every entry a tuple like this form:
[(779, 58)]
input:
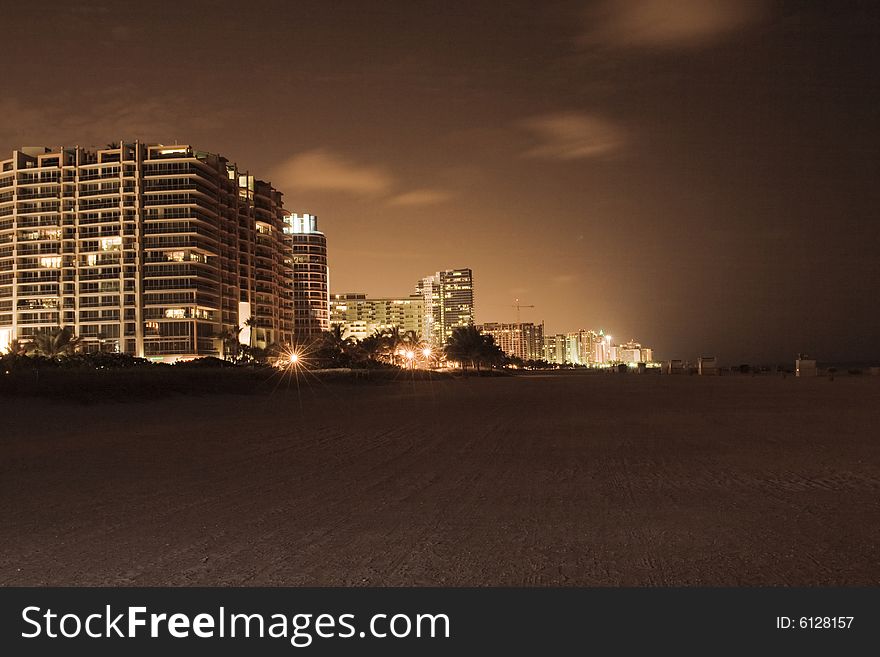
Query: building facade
[(554, 348), (524, 340), (360, 316), (578, 347), (144, 249), (449, 302), (633, 352), (593, 349), (310, 275)]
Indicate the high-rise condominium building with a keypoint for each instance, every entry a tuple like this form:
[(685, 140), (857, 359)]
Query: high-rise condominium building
[(525, 340), (554, 348), (360, 317), (311, 275), (603, 349), (581, 347), (449, 302), (145, 249)]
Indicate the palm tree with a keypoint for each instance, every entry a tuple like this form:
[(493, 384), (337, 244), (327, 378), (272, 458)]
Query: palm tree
[(334, 337), (227, 336), (53, 343), (468, 345), (333, 341), (251, 323), (331, 349), (414, 345), (393, 340), (413, 340), (373, 345)]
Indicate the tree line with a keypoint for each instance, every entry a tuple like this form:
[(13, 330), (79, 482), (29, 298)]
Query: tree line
[(388, 347)]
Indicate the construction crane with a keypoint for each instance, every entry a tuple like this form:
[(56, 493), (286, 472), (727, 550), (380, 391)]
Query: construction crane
[(519, 305)]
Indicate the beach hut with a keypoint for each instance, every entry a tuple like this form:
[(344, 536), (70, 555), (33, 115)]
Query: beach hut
[(675, 367), (805, 366), (707, 366)]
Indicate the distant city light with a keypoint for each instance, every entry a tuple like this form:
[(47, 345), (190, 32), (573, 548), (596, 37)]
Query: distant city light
[(426, 352)]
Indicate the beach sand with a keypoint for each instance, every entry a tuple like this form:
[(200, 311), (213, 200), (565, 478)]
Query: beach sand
[(540, 480)]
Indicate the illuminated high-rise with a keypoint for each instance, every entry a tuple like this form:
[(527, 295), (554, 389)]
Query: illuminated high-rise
[(311, 275), (146, 249), (524, 340), (554, 348), (449, 302)]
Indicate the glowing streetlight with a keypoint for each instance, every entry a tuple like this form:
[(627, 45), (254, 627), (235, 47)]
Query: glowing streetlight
[(294, 359), (426, 352), (410, 355)]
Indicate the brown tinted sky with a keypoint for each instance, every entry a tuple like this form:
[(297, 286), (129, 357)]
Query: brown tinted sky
[(698, 174)]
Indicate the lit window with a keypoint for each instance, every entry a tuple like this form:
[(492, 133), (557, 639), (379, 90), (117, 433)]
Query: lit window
[(111, 244), (52, 261), (175, 313)]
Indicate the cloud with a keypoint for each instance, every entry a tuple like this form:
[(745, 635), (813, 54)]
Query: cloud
[(419, 197), (572, 136), (666, 23), (120, 113), (323, 170)]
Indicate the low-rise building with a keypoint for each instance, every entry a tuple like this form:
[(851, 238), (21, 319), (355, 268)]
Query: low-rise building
[(805, 366), (707, 366), (360, 316)]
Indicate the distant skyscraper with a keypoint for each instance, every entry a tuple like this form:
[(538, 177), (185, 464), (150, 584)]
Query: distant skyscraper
[(449, 302), (311, 275), (360, 317), (525, 340), (579, 347), (554, 348), (602, 349)]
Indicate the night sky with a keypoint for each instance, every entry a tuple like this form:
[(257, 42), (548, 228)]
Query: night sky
[(701, 175)]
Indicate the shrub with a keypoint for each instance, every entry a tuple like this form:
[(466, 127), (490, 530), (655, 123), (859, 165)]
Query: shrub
[(207, 361)]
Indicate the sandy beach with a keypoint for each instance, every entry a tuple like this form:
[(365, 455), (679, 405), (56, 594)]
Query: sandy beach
[(539, 480)]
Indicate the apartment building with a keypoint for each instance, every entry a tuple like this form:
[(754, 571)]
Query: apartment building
[(524, 340), (449, 302), (311, 275), (146, 249), (360, 316)]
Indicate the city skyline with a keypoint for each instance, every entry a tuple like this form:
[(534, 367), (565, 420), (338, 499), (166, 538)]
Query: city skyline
[(169, 251), (706, 180)]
